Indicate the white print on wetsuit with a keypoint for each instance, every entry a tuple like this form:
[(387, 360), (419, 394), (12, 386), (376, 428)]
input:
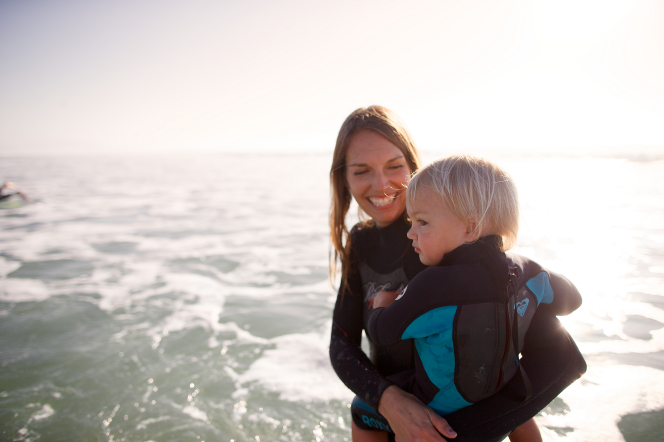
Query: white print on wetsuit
[(372, 289), (403, 292)]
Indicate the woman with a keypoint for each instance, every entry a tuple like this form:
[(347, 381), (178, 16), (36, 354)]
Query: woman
[(373, 160)]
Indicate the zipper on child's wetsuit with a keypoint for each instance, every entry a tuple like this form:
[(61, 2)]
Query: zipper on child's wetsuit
[(508, 324)]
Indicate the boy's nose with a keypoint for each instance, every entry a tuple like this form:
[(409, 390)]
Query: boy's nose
[(410, 234)]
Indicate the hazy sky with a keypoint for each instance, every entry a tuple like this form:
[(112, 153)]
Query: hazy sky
[(563, 75)]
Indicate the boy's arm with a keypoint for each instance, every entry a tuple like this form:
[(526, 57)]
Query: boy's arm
[(388, 320), (387, 325)]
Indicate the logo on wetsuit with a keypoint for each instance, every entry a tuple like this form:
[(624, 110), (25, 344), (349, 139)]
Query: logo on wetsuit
[(403, 292), (521, 307), (370, 421), (372, 288)]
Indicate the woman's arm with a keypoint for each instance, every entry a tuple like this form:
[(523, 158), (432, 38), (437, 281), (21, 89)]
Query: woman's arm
[(409, 418), (348, 360), (556, 292), (566, 297)]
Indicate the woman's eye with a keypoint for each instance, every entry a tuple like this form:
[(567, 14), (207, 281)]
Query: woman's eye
[(360, 172)]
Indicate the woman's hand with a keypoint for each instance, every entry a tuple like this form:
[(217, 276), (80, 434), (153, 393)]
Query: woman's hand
[(410, 419), (384, 299)]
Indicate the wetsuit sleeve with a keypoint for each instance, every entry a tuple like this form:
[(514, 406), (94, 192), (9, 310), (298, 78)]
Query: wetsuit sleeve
[(348, 360), (566, 297), (553, 291), (388, 325)]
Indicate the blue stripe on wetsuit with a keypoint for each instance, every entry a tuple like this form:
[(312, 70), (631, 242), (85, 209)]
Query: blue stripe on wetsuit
[(432, 333), (541, 288), (359, 403)]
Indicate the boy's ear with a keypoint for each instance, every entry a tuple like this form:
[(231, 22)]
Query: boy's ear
[(472, 230)]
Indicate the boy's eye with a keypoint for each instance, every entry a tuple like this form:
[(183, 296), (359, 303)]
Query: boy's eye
[(423, 223)]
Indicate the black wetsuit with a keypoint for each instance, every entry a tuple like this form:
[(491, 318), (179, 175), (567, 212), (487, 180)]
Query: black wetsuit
[(384, 259)]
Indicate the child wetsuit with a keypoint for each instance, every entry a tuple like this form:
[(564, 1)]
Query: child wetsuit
[(468, 318)]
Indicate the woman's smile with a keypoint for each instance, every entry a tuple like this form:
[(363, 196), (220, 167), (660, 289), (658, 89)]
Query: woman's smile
[(382, 201)]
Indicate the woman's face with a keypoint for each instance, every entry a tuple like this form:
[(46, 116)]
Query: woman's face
[(377, 173)]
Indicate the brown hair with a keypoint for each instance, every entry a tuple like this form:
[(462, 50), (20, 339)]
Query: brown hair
[(384, 122), (473, 188)]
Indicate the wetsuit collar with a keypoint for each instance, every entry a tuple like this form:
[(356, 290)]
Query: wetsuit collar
[(485, 250), (479, 250)]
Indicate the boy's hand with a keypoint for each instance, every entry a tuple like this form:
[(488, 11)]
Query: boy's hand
[(384, 299)]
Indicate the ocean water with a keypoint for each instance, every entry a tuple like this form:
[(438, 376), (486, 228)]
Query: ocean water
[(172, 298)]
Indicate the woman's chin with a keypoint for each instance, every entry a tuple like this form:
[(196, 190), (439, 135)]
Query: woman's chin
[(387, 216)]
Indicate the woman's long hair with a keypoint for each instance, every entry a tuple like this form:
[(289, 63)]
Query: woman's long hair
[(384, 122)]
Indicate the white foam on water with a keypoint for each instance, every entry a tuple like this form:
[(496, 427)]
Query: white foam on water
[(33, 246), (120, 336), (7, 267), (241, 335), (601, 397), (195, 413), (231, 373), (239, 409), (112, 297), (45, 412), (23, 290), (193, 245), (199, 303), (205, 312), (264, 419), (276, 290), (298, 369), (144, 424)]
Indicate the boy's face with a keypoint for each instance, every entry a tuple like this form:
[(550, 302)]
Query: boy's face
[(435, 230)]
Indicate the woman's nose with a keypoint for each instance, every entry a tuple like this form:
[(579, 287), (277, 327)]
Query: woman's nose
[(381, 182)]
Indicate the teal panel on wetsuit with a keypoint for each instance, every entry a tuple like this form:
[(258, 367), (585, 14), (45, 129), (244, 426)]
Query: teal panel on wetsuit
[(431, 323), (432, 333), (448, 401), (541, 287)]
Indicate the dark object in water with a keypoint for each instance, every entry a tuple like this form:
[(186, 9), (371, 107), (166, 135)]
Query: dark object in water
[(642, 427), (11, 196)]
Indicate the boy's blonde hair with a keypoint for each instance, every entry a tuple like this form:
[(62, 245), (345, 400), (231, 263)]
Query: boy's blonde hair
[(476, 190)]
